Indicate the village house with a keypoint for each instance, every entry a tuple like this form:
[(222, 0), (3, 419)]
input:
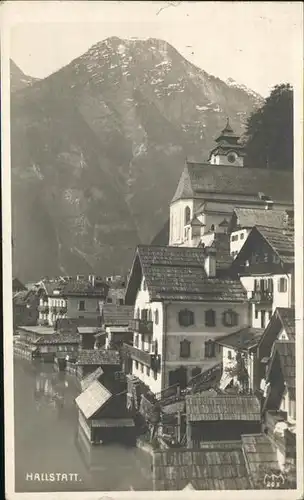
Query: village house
[(89, 360), (181, 308), (25, 308), (240, 361), (117, 290), (45, 343), (71, 298), (244, 219), (116, 321), (207, 193), (265, 265)]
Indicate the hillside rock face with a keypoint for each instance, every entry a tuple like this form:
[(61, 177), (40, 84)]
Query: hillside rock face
[(98, 148), (18, 79)]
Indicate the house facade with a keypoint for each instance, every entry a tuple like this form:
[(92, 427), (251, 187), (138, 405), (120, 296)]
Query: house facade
[(71, 298), (180, 308)]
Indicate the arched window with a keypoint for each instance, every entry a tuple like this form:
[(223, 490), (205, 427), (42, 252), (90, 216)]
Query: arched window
[(156, 316), (186, 317), (187, 215)]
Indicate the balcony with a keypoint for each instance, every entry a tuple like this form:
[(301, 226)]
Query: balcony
[(146, 358), (143, 326), (262, 297), (44, 308)]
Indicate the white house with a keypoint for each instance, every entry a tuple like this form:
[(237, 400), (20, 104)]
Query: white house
[(72, 298), (181, 308)]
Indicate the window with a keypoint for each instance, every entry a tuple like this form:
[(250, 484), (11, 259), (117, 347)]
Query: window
[(155, 375), (269, 315), (256, 313), (150, 315), (187, 215), (136, 365), (263, 314), (136, 340), (138, 313), (186, 317), (148, 371), (109, 300), (209, 349), (121, 301), (282, 285), (229, 355), (242, 236), (230, 318), (155, 347), (142, 342), (185, 348), (144, 286), (81, 317), (156, 316), (144, 314), (210, 317), (141, 368), (275, 259), (212, 228)]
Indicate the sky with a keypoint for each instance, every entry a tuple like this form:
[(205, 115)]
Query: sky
[(255, 43)]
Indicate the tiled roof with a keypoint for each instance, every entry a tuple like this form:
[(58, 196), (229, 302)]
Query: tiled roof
[(117, 315), (60, 338), (93, 399), (243, 339), (286, 352), (250, 217), (67, 323), (222, 407), (177, 273), (287, 316), (98, 357), (261, 457), (204, 469), (91, 377), (200, 178), (75, 287), (282, 242)]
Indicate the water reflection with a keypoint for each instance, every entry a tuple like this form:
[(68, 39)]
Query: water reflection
[(47, 438)]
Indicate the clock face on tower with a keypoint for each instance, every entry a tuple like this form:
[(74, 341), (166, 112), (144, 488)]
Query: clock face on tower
[(232, 157)]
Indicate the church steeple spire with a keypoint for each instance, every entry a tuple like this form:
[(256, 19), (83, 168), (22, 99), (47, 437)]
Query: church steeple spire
[(228, 151)]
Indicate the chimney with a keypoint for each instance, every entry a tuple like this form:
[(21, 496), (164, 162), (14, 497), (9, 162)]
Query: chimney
[(210, 262)]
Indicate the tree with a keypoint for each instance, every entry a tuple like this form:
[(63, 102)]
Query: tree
[(269, 131)]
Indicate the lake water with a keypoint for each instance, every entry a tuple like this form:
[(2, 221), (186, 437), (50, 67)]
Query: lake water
[(47, 440)]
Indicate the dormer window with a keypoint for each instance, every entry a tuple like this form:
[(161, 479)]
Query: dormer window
[(230, 318), (186, 317), (185, 348)]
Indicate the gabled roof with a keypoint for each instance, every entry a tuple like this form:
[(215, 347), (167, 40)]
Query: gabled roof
[(287, 356), (288, 320), (222, 407), (91, 377), (243, 339), (98, 357), (205, 469), (200, 178), (117, 315), (281, 318), (59, 338), (93, 399), (280, 241), (250, 217), (177, 273)]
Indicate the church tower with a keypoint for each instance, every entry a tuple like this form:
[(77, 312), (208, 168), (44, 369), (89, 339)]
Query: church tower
[(228, 150)]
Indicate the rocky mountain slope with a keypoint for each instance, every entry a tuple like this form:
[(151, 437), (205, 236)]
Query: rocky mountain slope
[(98, 148), (18, 79)]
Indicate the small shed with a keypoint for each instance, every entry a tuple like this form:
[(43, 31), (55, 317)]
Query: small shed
[(221, 417)]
